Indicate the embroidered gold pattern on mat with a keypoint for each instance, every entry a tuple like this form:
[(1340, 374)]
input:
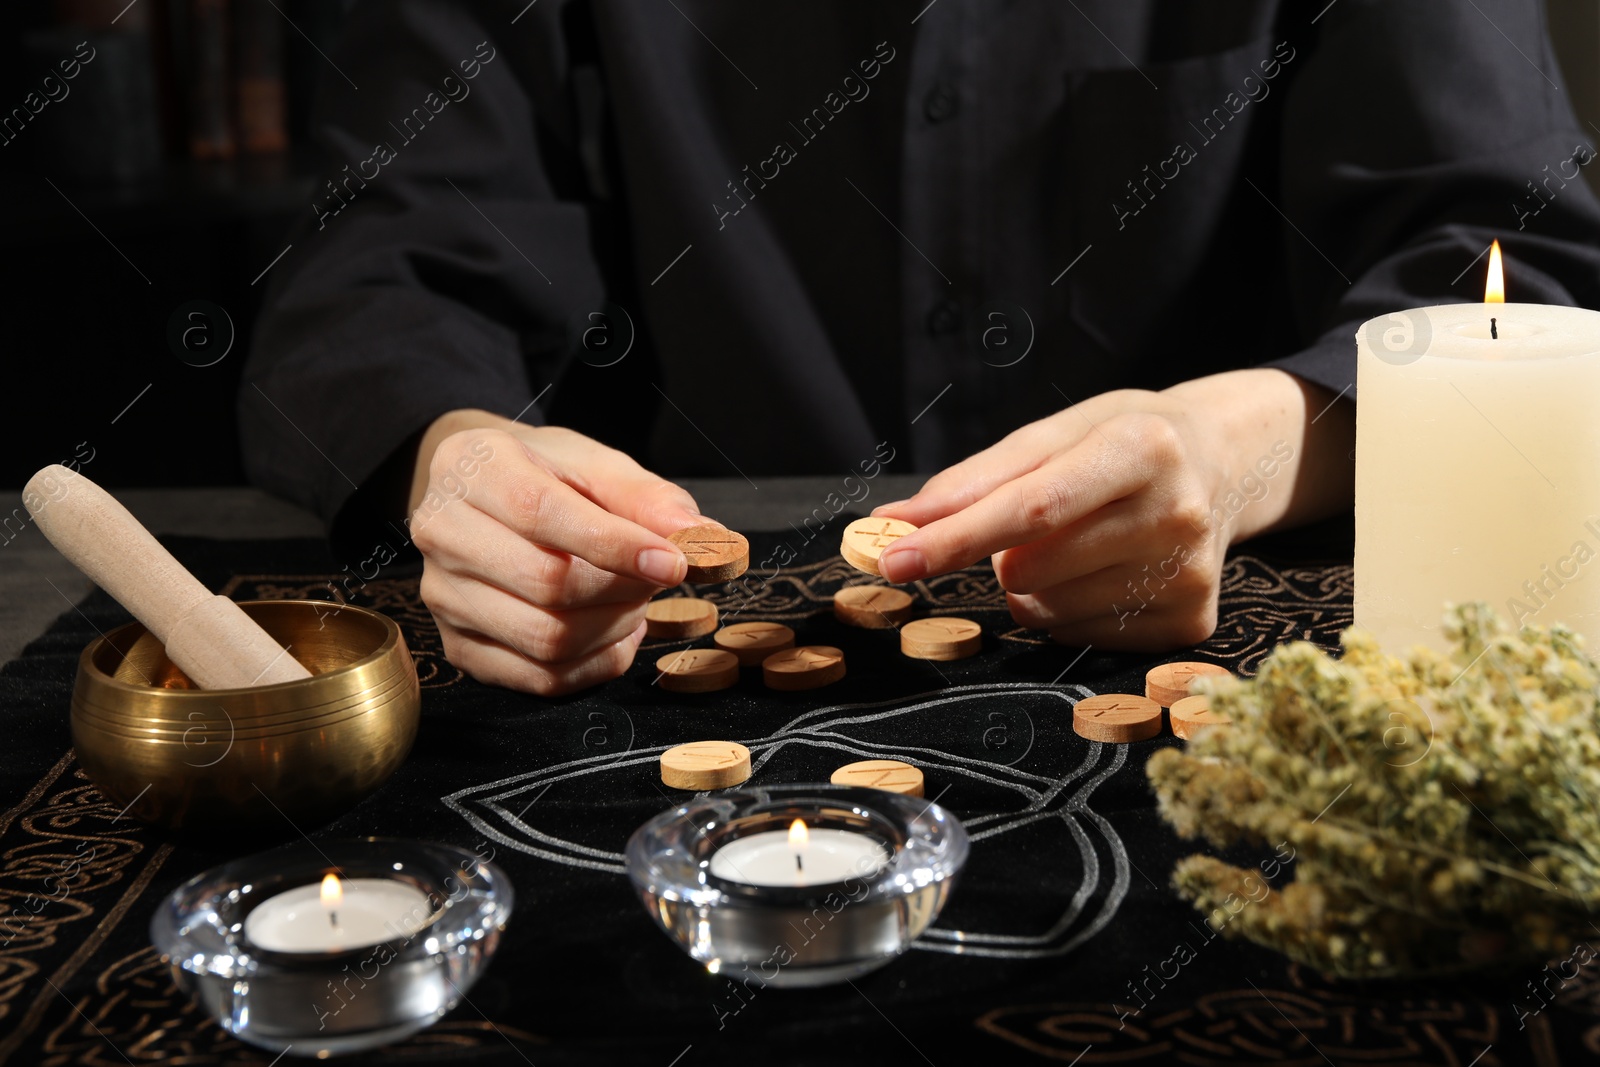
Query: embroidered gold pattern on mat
[(136, 1014), (72, 846), (1310, 1022), (1261, 605)]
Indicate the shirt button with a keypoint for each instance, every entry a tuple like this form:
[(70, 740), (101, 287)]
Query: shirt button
[(942, 102), (944, 318)]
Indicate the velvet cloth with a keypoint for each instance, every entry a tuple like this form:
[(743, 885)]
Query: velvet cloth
[(1062, 938)]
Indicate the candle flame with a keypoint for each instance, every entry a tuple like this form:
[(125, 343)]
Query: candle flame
[(332, 891), (1495, 291), (798, 835)]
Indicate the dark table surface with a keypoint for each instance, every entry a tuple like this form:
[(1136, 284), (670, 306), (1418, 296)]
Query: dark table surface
[(1062, 915)]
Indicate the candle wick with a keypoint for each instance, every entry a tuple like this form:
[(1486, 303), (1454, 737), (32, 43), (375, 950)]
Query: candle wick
[(797, 864), (1494, 331), (333, 919)]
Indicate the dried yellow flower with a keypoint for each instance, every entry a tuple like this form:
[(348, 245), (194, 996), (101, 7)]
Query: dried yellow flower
[(1432, 804)]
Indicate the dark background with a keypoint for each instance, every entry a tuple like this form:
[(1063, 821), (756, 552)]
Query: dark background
[(111, 224), (87, 330)]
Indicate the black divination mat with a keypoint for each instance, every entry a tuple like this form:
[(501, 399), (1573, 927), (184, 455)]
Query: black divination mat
[(1063, 907)]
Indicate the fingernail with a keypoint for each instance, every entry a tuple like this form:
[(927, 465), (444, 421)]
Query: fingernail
[(903, 565), (685, 519), (892, 504), (663, 567)]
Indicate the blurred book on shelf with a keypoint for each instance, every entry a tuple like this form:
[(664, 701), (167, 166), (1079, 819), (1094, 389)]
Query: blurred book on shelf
[(160, 86), (208, 85), (259, 76)]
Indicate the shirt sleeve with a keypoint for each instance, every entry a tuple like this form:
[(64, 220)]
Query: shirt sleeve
[(1414, 136), (438, 257)]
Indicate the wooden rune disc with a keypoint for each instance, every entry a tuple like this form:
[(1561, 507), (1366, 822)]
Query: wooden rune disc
[(698, 670), (753, 642), (715, 554), (941, 638), (705, 765), (1191, 713), (806, 667), (1116, 717), (1170, 681), (888, 774), (679, 617), (865, 539), (872, 607)]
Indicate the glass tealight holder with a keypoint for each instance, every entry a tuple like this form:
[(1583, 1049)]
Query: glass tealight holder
[(289, 960), (870, 871)]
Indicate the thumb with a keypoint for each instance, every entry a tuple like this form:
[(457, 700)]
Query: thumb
[(615, 481), (651, 501), (959, 487)]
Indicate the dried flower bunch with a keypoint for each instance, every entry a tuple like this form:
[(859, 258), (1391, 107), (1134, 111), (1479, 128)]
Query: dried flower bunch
[(1444, 812)]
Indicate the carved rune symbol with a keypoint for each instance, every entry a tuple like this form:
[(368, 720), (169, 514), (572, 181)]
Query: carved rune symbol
[(882, 538), (712, 759), (703, 546), (887, 777)]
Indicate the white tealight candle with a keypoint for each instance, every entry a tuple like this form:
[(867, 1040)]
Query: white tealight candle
[(799, 856), (1477, 467), (338, 914)]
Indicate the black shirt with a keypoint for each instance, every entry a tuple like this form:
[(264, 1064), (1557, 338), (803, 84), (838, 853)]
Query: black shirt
[(813, 227)]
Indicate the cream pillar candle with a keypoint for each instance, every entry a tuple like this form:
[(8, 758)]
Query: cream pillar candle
[(1477, 468)]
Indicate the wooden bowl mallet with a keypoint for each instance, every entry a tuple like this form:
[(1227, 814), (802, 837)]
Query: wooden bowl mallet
[(214, 642)]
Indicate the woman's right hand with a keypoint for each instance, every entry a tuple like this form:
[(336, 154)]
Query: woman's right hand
[(540, 549)]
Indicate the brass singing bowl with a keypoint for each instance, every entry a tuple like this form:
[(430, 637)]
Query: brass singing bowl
[(270, 759)]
